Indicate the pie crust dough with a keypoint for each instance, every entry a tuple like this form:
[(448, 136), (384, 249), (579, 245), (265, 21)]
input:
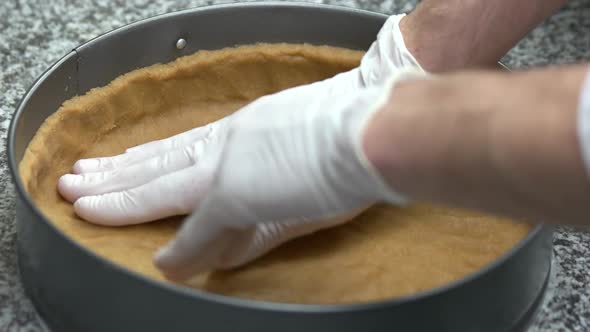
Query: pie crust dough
[(384, 253)]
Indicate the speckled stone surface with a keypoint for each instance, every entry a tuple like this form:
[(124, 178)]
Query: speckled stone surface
[(35, 33)]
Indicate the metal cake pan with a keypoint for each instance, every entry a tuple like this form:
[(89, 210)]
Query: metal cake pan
[(75, 290)]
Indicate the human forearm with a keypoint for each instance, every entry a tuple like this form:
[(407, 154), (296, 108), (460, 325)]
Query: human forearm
[(457, 34), (502, 143)]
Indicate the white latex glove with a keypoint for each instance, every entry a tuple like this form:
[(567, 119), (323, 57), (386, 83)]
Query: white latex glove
[(298, 171), (173, 176)]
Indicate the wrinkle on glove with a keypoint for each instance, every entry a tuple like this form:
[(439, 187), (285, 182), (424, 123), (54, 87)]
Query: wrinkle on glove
[(387, 55)]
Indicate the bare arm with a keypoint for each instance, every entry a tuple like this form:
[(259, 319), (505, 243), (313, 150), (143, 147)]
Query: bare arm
[(505, 143), (458, 34)]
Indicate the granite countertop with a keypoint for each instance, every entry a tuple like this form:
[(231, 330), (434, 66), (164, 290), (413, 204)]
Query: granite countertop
[(35, 33)]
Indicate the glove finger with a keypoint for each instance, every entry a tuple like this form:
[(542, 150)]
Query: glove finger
[(197, 248), (172, 194), (74, 186), (142, 152), (174, 142), (267, 236), (203, 244), (105, 164)]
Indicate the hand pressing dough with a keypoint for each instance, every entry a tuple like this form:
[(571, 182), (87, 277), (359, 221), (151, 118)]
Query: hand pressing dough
[(384, 253)]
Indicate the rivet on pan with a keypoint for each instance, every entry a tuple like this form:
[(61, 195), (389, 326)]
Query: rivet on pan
[(180, 43)]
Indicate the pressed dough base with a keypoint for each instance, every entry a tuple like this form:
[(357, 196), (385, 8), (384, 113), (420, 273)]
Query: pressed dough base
[(384, 253)]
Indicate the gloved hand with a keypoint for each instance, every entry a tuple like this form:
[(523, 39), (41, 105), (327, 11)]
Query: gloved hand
[(294, 164)]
